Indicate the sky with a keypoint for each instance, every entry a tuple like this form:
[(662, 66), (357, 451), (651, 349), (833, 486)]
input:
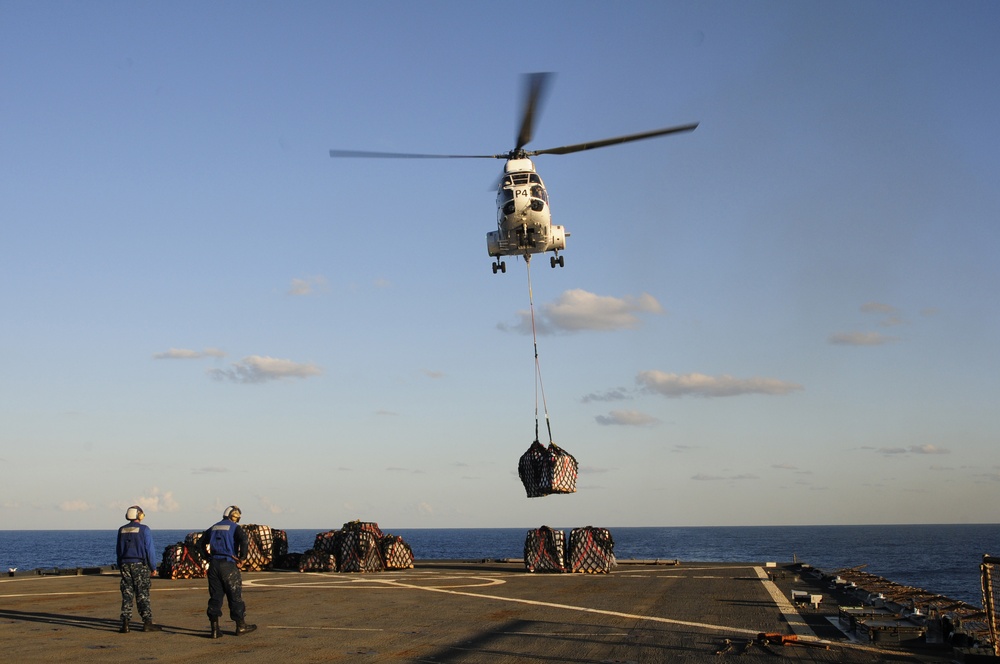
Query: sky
[(788, 316)]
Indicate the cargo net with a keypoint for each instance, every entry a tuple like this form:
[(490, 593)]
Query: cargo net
[(591, 550), (543, 550), (544, 470), (991, 593), (360, 546), (260, 549), (184, 560), (396, 553), (187, 560)]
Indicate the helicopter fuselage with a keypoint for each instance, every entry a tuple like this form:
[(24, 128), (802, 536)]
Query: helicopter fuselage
[(524, 219)]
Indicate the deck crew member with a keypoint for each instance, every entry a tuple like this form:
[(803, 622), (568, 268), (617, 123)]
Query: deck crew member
[(136, 564), (226, 545)]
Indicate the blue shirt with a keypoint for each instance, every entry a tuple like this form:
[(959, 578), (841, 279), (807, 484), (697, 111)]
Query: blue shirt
[(227, 540), (135, 545)]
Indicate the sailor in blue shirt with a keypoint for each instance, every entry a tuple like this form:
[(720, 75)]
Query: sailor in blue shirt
[(226, 545), (136, 563)]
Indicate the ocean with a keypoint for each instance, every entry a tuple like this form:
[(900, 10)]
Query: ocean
[(942, 559)]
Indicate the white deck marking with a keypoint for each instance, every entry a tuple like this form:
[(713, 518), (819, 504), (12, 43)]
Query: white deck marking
[(583, 609), (790, 614)]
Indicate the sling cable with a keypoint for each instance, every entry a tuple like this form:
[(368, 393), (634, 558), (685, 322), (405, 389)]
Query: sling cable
[(544, 470)]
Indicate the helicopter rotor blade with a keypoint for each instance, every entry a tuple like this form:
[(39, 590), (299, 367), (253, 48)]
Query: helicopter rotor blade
[(579, 147), (409, 155), (534, 90)]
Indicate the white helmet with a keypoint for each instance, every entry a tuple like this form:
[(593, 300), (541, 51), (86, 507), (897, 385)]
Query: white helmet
[(134, 512), (232, 512)]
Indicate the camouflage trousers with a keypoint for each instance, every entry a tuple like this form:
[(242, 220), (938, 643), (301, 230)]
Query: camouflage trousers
[(135, 588), (225, 582)]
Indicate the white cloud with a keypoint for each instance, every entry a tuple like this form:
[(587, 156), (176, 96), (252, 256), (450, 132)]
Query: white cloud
[(158, 501), (928, 449), (891, 313), (695, 384), (308, 285), (259, 369), (204, 470), (913, 449), (702, 477), (627, 418), (268, 506), (879, 308), (185, 354), (578, 310), (861, 339), (75, 506), (616, 394)]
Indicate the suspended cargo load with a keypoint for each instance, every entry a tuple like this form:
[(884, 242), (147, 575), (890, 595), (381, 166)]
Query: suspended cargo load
[(591, 550), (547, 470), (396, 553), (543, 550)]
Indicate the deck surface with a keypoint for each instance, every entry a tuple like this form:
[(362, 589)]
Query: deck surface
[(444, 611)]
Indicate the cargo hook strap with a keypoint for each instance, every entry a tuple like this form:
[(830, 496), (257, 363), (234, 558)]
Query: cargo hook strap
[(538, 368)]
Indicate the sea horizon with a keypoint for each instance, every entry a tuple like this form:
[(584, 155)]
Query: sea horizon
[(386, 528), (939, 558)]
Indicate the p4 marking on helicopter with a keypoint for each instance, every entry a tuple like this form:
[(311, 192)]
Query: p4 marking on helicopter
[(524, 220)]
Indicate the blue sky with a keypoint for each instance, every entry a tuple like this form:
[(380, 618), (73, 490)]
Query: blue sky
[(788, 316)]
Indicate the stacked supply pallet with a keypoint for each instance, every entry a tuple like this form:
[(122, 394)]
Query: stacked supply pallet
[(543, 550), (315, 560), (260, 549), (183, 561), (358, 548), (591, 550), (396, 553)]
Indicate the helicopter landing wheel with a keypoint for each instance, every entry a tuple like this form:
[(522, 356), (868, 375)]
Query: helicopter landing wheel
[(557, 260), (503, 266), (499, 265)]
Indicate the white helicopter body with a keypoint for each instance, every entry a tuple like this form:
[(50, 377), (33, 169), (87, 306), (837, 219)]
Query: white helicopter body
[(524, 219)]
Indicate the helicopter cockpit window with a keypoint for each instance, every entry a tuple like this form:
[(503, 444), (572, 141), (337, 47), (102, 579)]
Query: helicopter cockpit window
[(534, 178), (538, 191), (506, 194)]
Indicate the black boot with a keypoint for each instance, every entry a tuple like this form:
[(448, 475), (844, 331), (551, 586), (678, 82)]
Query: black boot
[(243, 628), (124, 628), (216, 632), (148, 626)]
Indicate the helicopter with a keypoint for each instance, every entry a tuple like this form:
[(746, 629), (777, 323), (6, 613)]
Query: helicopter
[(524, 219)]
